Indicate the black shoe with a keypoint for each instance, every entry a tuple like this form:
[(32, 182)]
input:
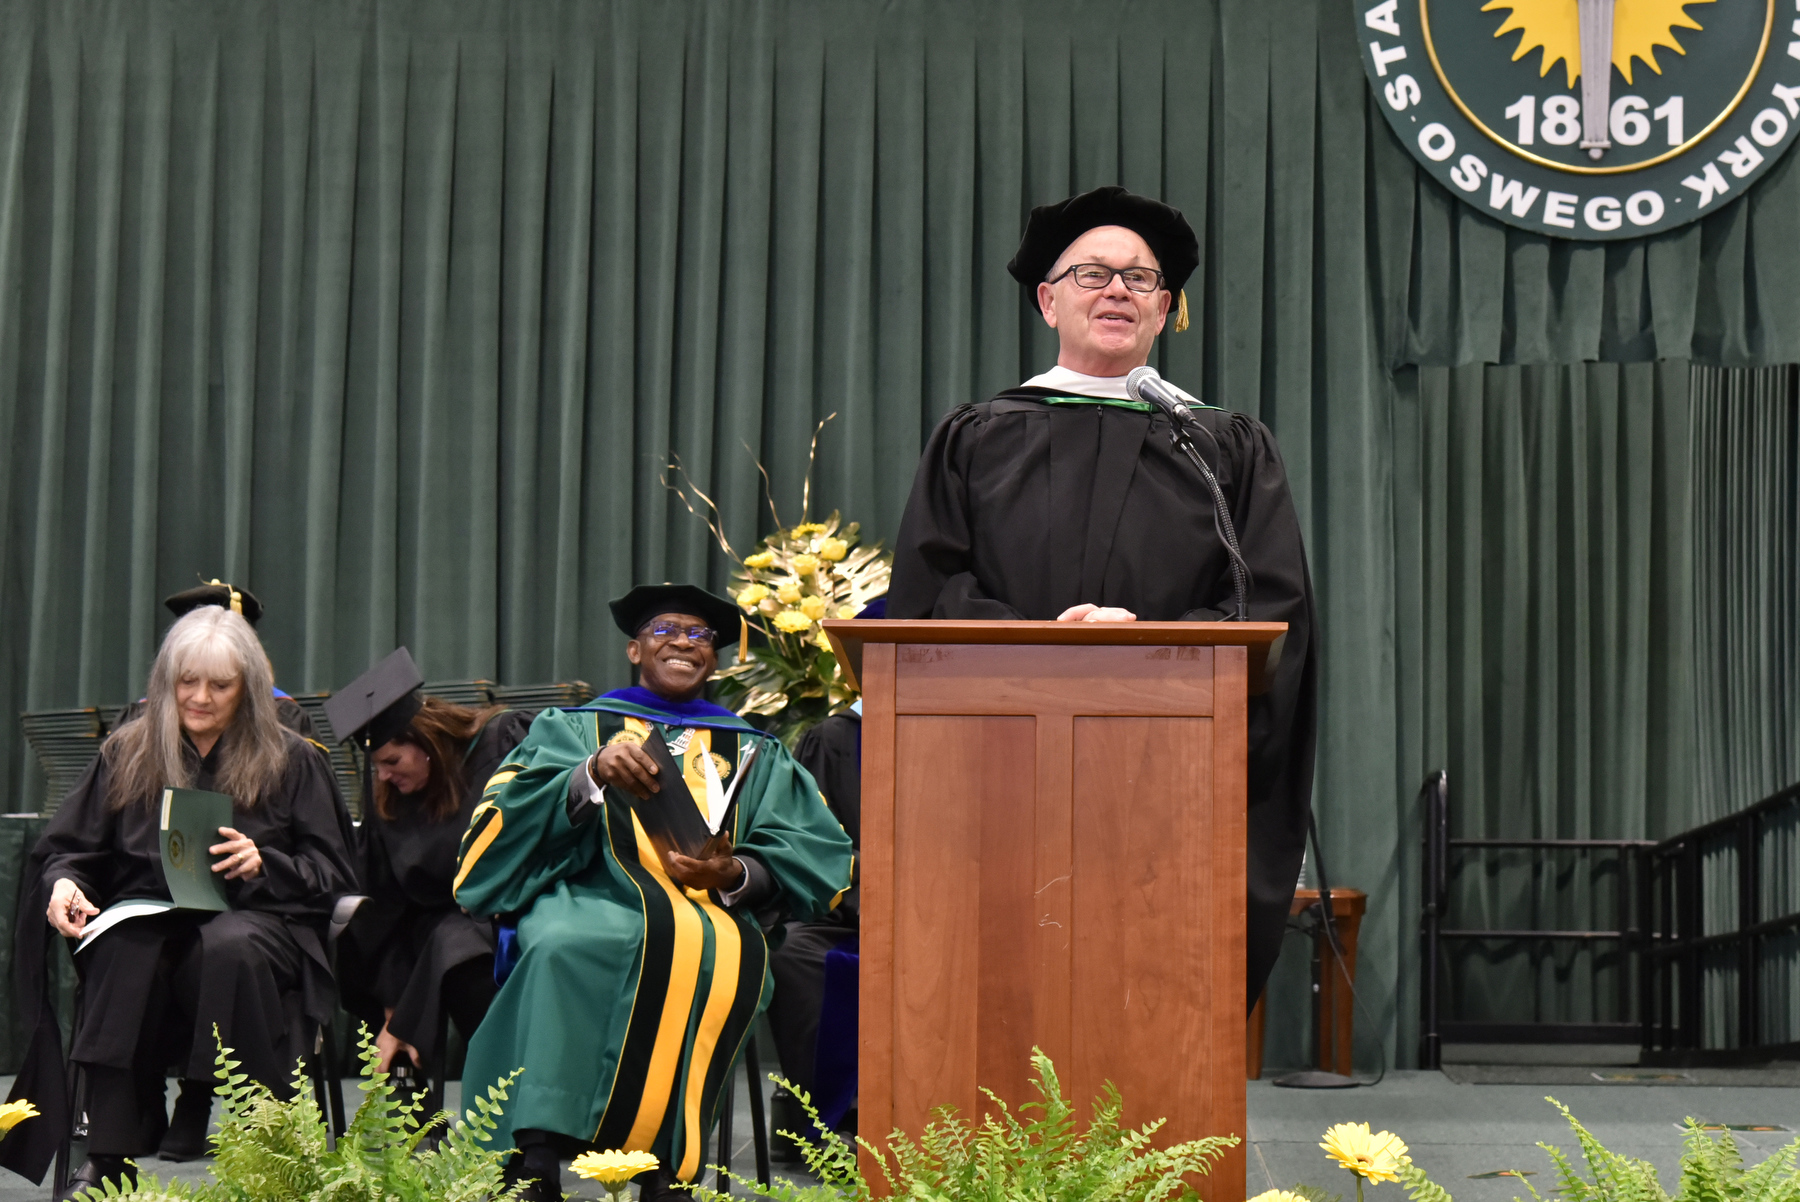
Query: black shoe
[(94, 1172), (659, 1185), (186, 1137), (538, 1187)]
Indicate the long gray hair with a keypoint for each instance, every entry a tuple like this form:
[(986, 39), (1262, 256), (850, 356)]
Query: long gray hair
[(145, 755)]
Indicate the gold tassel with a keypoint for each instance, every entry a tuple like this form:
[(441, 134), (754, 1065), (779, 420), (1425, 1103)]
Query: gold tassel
[(237, 598), (1181, 316)]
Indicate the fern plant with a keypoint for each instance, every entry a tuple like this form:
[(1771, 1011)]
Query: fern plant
[(1712, 1170), (269, 1150), (1039, 1153)]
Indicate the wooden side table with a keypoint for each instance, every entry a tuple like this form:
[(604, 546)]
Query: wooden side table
[(1337, 1016)]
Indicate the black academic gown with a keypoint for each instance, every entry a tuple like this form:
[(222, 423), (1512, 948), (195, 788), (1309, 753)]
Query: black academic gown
[(262, 965), (1022, 508), (832, 753), (410, 933)]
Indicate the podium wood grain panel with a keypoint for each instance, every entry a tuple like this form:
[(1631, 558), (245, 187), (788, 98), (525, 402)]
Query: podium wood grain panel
[(963, 797), (1053, 842)]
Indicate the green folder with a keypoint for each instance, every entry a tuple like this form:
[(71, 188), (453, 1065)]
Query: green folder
[(191, 819)]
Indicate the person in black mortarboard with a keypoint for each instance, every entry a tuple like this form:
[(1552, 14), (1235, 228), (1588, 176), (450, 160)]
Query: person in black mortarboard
[(636, 970), (243, 603), (1064, 499), (155, 986), (410, 957)]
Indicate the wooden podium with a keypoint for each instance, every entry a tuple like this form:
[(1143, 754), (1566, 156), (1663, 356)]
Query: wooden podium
[(1053, 855)]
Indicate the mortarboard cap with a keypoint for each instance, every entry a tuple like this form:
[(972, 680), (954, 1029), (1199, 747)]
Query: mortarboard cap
[(647, 601), (1051, 228), (379, 704), (216, 592)]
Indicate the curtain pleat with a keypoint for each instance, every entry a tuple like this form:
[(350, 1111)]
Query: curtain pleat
[(398, 312)]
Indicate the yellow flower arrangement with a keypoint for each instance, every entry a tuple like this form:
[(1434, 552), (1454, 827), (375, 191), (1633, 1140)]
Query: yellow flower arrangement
[(14, 1113), (614, 1170), (1278, 1195), (792, 621), (793, 579)]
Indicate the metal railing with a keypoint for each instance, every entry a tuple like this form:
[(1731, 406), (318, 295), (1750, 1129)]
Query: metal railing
[(1440, 851), (1683, 951)]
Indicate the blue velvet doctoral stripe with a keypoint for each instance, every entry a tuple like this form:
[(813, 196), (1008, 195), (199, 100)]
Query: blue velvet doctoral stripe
[(637, 702)]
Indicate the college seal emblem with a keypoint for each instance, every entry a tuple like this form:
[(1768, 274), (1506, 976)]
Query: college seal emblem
[(1590, 119)]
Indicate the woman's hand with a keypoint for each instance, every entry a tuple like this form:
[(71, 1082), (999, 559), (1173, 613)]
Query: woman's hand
[(390, 1045), (242, 861), (69, 908)]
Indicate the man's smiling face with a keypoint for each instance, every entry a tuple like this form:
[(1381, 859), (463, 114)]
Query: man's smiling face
[(675, 666), (1103, 331)]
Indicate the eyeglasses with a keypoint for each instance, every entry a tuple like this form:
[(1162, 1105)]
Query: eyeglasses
[(1099, 275), (702, 636)]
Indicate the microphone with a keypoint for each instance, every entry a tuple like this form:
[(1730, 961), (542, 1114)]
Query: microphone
[(1146, 385)]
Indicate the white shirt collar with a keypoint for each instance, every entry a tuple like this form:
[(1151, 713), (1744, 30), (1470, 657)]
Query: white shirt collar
[(1061, 379)]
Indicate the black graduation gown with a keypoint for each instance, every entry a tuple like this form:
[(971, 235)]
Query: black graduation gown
[(832, 752), (411, 932), (304, 834), (1022, 508)]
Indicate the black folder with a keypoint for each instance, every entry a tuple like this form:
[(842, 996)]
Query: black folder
[(670, 816)]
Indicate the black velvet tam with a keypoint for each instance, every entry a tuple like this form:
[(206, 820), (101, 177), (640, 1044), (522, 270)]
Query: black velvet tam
[(1052, 228), (648, 601), (225, 596)]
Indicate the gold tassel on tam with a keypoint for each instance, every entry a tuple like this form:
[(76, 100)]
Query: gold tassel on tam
[(1181, 317)]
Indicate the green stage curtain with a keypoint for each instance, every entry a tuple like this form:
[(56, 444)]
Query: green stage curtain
[(398, 311), (1547, 643)]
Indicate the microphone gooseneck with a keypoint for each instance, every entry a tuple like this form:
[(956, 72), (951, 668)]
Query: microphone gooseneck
[(1145, 385)]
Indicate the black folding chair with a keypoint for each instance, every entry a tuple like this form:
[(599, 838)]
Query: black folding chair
[(760, 1128)]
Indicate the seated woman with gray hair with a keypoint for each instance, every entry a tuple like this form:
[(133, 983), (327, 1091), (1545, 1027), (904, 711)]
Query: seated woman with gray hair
[(155, 986)]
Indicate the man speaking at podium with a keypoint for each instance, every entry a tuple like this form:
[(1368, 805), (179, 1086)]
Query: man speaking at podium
[(1066, 498)]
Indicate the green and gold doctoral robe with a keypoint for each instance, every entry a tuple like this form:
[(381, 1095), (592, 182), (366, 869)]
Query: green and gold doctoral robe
[(632, 996)]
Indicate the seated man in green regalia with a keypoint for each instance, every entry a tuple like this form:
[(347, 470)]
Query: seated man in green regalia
[(638, 971)]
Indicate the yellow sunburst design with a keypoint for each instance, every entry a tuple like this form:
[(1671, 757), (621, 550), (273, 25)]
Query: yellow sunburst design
[(1639, 27)]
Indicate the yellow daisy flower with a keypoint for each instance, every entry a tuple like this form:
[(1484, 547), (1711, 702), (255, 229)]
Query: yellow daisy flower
[(792, 621), (762, 559), (1377, 1157), (813, 607), (612, 1168), (14, 1113), (824, 641), (805, 565), (808, 529), (833, 549), (788, 592), (752, 596)]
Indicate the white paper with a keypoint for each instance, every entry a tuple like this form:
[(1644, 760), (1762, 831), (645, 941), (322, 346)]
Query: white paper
[(118, 912), (715, 794)]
